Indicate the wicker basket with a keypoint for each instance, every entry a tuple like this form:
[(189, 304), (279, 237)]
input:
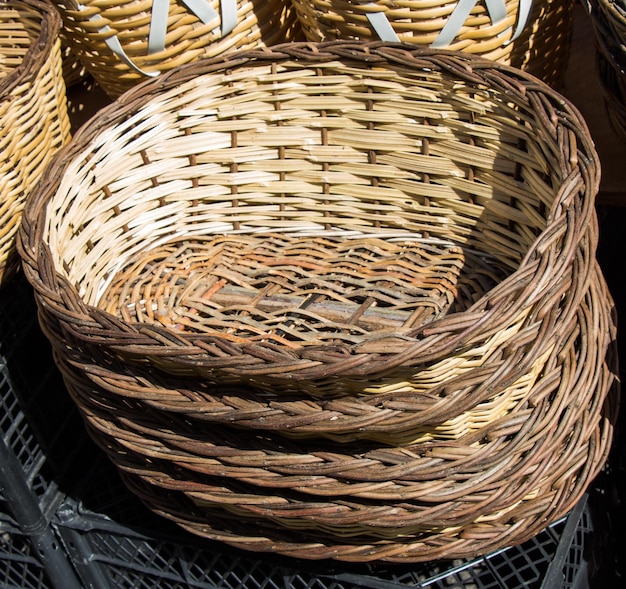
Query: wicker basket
[(418, 502), (533, 35), (609, 23), (338, 295), (74, 71), (33, 109), (121, 43)]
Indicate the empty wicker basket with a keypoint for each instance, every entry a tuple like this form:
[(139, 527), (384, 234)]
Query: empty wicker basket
[(533, 35), (335, 301), (33, 108), (122, 43)]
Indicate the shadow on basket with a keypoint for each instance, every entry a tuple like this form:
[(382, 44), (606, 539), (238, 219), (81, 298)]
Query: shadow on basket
[(335, 301), (608, 18)]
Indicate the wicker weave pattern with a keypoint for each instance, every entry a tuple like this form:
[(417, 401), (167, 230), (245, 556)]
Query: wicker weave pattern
[(254, 491), (609, 22), (283, 288), (33, 108), (335, 301), (541, 49), (317, 161), (89, 24)]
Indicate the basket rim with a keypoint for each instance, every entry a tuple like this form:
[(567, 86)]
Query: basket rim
[(39, 51), (373, 52), (470, 68)]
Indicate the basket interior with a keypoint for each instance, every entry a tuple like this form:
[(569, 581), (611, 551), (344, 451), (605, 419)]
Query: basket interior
[(304, 201)]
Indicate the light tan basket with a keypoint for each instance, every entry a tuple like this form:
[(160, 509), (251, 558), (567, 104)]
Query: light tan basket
[(335, 300), (34, 121), (533, 35), (123, 42)]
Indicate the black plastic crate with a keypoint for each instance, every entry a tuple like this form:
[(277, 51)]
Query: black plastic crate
[(40, 438), (20, 566), (39, 424), (116, 542), (34, 560), (18, 436)]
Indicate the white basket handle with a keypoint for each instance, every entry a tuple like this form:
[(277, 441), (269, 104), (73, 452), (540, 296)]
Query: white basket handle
[(158, 26), (495, 8)]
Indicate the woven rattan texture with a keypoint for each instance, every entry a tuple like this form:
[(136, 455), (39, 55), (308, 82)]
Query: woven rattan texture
[(609, 24), (542, 49), (74, 71), (307, 290), (335, 301), (417, 502), (33, 109), (88, 24)]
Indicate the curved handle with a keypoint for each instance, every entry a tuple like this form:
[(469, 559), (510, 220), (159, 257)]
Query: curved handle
[(496, 9), (158, 26)]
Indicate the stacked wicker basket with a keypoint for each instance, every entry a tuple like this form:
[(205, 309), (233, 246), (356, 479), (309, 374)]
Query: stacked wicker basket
[(123, 42), (335, 301), (34, 121)]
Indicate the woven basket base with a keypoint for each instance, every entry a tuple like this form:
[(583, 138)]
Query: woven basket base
[(310, 290)]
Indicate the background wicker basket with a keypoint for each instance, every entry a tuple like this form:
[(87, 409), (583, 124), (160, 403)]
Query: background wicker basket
[(335, 300), (121, 42), (533, 35), (33, 108), (609, 22)]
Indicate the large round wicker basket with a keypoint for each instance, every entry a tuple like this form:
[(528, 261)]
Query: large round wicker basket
[(34, 121), (335, 301), (123, 42), (533, 35)]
